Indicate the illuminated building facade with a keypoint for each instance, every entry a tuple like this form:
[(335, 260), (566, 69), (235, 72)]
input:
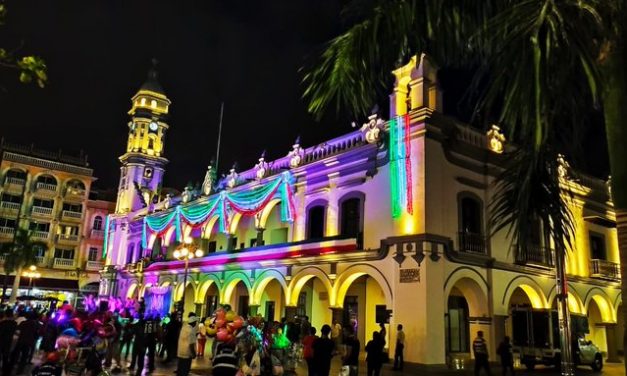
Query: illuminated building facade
[(49, 193), (388, 217)]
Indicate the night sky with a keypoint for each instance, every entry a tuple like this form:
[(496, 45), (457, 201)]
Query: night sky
[(244, 53)]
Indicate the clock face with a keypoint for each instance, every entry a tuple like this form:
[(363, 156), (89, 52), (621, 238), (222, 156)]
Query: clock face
[(153, 126)]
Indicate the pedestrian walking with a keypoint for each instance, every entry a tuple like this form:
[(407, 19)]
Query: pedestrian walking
[(7, 330), (375, 356), (139, 345), (400, 347), (507, 357), (308, 353), (187, 345), (480, 348), (351, 351), (323, 351), (25, 342)]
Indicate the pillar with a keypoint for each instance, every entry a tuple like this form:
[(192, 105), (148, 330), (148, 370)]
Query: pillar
[(611, 332), (337, 315), (198, 309), (260, 231), (229, 242), (332, 220)]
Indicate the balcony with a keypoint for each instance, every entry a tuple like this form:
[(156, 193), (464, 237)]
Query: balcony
[(14, 183), (7, 232), (40, 211), (45, 188), (61, 263), (94, 266), (68, 215), (75, 194), (10, 207), (536, 255), (67, 238), (472, 243), (40, 235), (40, 260), (604, 269), (97, 234)]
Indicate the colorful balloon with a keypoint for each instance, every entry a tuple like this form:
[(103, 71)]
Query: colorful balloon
[(230, 315)]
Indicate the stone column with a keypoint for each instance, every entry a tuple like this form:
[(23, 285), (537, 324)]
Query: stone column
[(612, 335), (332, 220), (260, 231)]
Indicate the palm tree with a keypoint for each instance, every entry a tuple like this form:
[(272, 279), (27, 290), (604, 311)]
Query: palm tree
[(540, 64), (19, 253)]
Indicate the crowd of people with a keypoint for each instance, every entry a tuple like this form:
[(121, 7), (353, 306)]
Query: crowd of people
[(102, 340)]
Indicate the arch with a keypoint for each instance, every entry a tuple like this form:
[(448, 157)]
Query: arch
[(602, 301), (165, 283), (265, 213), (169, 237), (473, 289), (262, 281), (208, 227), (130, 292), (530, 287), (75, 184), (348, 276), (97, 222), (465, 271), (230, 283), (144, 288), (312, 220), (575, 304), (178, 291), (46, 178), (211, 279), (234, 222), (301, 278)]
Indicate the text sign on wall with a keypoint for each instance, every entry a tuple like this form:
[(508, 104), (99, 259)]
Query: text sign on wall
[(409, 275)]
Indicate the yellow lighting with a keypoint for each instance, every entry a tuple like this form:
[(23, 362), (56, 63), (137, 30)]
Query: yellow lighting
[(177, 254), (198, 253), (32, 268)]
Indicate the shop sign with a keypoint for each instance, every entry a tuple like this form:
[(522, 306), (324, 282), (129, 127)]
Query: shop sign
[(409, 275)]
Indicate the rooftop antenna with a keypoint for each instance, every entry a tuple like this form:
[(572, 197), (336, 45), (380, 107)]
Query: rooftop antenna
[(219, 136)]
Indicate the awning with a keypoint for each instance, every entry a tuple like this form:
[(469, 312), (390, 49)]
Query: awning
[(44, 283)]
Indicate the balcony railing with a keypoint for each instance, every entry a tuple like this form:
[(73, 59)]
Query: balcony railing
[(94, 265), (98, 234), (536, 255), (2, 258), (39, 260), (71, 215), (7, 232), (470, 242), (61, 263), (604, 269), (10, 205), (67, 238), (42, 235), (42, 211), (14, 181), (46, 187)]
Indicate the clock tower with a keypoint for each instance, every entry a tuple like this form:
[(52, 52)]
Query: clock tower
[(143, 164)]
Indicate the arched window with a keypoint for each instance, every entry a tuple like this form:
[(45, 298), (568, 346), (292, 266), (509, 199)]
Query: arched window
[(98, 223), (351, 216), (47, 180), (130, 254), (315, 222), (470, 223), (457, 325)]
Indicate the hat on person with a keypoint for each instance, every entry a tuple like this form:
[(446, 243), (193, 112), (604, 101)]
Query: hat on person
[(192, 319)]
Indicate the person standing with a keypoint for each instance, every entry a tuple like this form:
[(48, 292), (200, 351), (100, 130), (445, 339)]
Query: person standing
[(202, 338), (7, 330), (187, 345), (127, 338), (172, 337), (305, 327), (139, 345), (323, 350), (351, 351), (480, 348), (375, 356), (507, 357), (336, 334), (308, 353), (25, 343), (400, 347)]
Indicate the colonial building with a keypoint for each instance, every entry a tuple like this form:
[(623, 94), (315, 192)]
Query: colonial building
[(48, 193), (388, 219)]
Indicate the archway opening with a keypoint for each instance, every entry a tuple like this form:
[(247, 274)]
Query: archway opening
[(212, 300), (276, 231), (240, 300), (596, 330), (466, 305), (272, 302), (190, 305), (363, 299), (312, 300)]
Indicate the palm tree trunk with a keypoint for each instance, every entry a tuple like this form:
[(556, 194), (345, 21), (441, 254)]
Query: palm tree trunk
[(16, 285), (615, 112), (4, 287)]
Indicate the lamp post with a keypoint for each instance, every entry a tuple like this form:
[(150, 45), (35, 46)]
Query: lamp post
[(187, 252), (31, 273)]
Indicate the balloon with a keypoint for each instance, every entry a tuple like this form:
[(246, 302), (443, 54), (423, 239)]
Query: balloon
[(222, 335), (220, 323), (211, 330), (230, 315), (220, 313), (71, 332), (237, 323)]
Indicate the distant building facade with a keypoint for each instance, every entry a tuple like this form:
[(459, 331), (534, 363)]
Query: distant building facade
[(49, 193), (387, 219)]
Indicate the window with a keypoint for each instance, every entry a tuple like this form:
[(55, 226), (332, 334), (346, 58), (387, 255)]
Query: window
[(315, 222), (40, 251), (351, 224), (93, 254), (98, 223), (6, 222), (597, 246), (11, 198), (301, 307), (68, 230), (16, 174), (470, 216), (77, 208), (129, 254), (37, 226), (457, 325), (212, 246), (233, 243), (76, 184), (43, 203), (47, 179), (242, 307), (67, 254)]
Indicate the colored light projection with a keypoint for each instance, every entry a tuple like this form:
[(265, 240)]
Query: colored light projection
[(158, 299), (400, 165), (247, 202)]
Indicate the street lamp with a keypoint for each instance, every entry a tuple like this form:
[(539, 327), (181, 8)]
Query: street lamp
[(187, 252), (31, 273)]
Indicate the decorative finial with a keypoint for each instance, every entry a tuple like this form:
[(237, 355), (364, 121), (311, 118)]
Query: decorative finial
[(152, 72), (261, 167)]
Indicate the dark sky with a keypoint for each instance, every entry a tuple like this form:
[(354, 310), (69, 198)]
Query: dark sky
[(245, 53)]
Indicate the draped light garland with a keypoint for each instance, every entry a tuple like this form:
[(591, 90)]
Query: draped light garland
[(246, 202), (400, 165), (105, 243)]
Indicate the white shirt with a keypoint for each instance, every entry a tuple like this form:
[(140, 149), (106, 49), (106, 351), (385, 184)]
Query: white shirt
[(187, 337)]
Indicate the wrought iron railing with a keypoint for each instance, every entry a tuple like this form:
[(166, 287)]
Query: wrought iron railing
[(605, 269), (471, 242), (536, 254)]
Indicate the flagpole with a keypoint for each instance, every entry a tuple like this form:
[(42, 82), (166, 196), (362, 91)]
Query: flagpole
[(219, 136)]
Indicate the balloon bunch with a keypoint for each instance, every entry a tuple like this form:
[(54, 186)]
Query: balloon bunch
[(225, 324)]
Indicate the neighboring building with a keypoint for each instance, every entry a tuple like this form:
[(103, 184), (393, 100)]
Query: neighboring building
[(389, 217), (48, 193)]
